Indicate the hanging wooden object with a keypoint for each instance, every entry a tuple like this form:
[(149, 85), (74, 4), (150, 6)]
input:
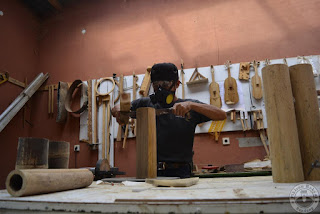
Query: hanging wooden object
[(308, 118), (282, 126), (104, 100), (196, 78), (215, 98), (244, 71), (230, 86), (256, 82), (146, 82), (119, 133), (182, 80)]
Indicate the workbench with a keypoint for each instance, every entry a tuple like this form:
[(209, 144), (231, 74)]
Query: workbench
[(209, 195)]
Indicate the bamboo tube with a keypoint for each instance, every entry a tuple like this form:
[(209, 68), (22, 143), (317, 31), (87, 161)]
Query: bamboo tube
[(308, 118), (32, 153), (59, 153), (38, 181), (282, 127)]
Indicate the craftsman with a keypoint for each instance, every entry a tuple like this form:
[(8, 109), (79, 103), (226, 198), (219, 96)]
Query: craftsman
[(175, 132)]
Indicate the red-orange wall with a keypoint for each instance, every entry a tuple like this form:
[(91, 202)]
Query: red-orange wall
[(18, 56), (127, 36)]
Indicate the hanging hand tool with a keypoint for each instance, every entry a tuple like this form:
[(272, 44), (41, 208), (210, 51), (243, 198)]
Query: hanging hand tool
[(134, 96), (120, 92), (125, 105), (104, 99), (182, 79), (4, 77)]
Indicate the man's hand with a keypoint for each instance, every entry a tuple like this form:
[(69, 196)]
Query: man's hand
[(115, 111), (181, 109)]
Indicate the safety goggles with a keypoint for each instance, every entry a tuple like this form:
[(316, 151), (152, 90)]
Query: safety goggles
[(163, 84)]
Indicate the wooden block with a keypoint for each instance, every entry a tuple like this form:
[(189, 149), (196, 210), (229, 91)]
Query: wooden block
[(308, 118), (282, 126), (185, 182), (146, 143)]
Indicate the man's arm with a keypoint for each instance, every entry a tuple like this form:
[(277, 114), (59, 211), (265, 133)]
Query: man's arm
[(209, 111)]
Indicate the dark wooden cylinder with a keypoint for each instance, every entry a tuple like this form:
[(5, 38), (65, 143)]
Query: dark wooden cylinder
[(38, 181), (146, 143), (59, 152), (308, 117), (32, 153), (282, 127)]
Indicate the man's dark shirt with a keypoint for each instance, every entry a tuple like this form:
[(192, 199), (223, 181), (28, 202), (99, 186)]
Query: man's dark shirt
[(174, 134)]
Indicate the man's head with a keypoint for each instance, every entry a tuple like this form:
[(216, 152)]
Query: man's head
[(165, 80), (164, 72)]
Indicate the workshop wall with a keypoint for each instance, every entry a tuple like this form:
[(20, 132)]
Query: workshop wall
[(89, 40), (19, 57)]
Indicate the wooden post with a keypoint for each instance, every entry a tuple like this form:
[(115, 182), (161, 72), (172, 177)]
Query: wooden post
[(308, 118), (282, 127), (146, 143)]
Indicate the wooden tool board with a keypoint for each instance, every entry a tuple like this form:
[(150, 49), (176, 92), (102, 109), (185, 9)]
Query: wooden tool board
[(201, 93)]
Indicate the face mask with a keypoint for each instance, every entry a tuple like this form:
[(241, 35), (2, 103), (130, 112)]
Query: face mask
[(163, 97)]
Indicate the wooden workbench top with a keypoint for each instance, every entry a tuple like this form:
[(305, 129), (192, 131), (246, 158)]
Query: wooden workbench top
[(222, 194)]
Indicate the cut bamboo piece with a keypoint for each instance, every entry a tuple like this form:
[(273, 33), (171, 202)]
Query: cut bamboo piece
[(146, 143), (38, 181), (282, 127), (308, 118)]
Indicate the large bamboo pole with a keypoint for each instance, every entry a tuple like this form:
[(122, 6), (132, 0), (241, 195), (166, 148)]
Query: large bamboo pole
[(146, 143), (308, 117), (38, 181), (282, 127)]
